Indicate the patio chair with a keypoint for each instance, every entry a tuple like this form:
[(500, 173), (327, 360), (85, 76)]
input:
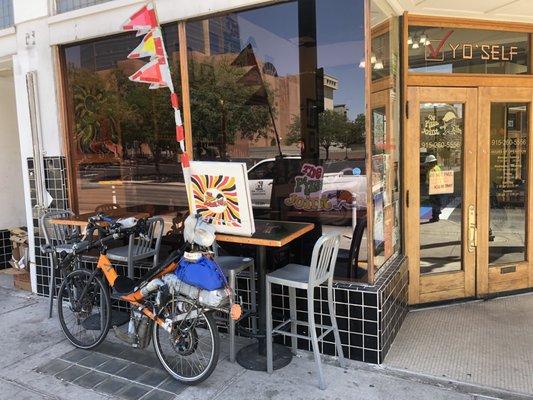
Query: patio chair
[(107, 207), (297, 276), (58, 239), (140, 247), (233, 266)]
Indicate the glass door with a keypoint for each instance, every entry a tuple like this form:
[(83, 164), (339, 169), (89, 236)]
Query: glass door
[(440, 193), (505, 169)]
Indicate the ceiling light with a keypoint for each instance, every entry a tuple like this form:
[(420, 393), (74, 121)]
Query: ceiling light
[(409, 40), (373, 59), (378, 65), (362, 64), (416, 45), (427, 42), (423, 38)]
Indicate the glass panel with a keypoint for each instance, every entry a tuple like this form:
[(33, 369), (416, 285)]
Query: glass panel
[(6, 13), (122, 133), (69, 5), (475, 51), (280, 89), (441, 187), (385, 131), (509, 128)]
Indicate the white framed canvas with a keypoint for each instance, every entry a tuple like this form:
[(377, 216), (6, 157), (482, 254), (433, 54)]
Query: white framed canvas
[(221, 195)]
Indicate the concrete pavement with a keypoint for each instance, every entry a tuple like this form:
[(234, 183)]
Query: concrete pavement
[(30, 340)]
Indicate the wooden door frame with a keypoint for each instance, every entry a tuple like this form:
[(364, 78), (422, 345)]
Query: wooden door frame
[(490, 279), (438, 286)]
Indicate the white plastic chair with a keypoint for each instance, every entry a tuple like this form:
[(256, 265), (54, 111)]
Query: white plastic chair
[(297, 276)]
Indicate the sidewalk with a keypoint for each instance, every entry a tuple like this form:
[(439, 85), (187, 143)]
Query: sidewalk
[(37, 362)]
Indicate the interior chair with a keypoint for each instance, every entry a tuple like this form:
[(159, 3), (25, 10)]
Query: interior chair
[(348, 260), (232, 266), (58, 239), (296, 276), (140, 247)]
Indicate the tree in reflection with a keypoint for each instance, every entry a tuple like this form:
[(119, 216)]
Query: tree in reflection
[(226, 101), (99, 112), (334, 130)]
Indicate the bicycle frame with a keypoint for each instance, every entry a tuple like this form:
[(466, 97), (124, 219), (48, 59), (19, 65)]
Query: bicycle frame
[(135, 298)]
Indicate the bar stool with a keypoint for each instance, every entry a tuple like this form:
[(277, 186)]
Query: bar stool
[(297, 276), (232, 266)]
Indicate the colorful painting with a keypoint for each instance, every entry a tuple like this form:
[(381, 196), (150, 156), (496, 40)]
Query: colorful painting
[(215, 197), (220, 193)]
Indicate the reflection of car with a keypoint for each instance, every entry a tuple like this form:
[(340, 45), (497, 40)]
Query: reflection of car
[(344, 183)]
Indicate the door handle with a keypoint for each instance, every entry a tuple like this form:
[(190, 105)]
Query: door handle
[(472, 228)]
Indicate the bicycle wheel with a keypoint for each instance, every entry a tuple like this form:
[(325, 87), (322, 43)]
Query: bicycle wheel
[(84, 317), (190, 352)]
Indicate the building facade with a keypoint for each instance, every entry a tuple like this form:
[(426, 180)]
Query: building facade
[(408, 123)]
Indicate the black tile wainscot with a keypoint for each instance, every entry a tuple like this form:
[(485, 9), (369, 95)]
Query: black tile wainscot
[(368, 316), (5, 248)]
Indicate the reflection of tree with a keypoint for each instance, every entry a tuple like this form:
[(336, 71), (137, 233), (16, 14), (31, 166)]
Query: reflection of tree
[(110, 109), (99, 111), (335, 129), (222, 105), (154, 124)]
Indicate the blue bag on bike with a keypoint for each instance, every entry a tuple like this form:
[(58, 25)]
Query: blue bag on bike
[(204, 274)]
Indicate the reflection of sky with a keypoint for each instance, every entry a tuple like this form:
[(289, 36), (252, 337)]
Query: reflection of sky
[(273, 31)]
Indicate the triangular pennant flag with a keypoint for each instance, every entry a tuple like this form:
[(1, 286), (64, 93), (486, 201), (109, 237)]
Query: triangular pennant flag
[(143, 20), (149, 73), (151, 46)]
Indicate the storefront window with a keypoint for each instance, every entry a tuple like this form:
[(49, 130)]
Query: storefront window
[(281, 89), (385, 134), (122, 134), (474, 51)]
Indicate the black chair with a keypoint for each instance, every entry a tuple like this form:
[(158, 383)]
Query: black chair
[(348, 260)]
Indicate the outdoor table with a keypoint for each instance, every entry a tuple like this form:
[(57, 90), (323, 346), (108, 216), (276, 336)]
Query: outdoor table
[(253, 357)]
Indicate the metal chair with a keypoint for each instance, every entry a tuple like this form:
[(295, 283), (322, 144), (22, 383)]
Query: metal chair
[(58, 239), (232, 266), (297, 276), (141, 247), (107, 207)]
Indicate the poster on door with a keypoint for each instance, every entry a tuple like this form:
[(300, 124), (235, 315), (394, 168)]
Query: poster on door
[(440, 182)]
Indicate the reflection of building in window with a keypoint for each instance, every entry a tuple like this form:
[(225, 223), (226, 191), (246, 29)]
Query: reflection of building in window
[(330, 84)]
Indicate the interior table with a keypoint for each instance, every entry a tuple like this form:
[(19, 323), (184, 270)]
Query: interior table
[(82, 220), (267, 234)]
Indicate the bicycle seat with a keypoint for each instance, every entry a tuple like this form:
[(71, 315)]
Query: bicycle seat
[(123, 284)]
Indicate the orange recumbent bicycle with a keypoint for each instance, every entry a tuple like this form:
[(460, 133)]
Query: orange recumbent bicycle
[(177, 317)]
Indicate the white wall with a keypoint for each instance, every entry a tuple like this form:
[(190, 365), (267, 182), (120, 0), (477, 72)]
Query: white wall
[(12, 208)]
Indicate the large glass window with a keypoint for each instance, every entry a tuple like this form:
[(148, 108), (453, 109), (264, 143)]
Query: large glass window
[(385, 133), (281, 89), (459, 50), (122, 134)]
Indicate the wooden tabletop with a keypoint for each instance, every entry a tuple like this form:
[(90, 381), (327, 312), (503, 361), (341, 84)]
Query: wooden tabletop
[(270, 233), (83, 219)]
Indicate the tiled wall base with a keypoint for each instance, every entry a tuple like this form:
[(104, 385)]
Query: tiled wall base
[(5, 248), (368, 316)]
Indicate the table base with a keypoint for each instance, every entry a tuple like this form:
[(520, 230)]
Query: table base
[(249, 357)]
